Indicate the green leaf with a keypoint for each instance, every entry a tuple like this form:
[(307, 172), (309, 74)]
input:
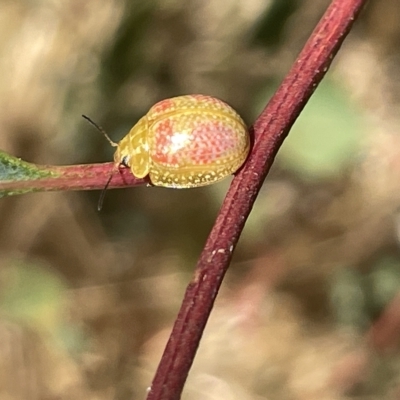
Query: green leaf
[(325, 139), (13, 169), (33, 294)]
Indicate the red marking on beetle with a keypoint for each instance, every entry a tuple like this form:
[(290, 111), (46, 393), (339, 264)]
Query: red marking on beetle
[(163, 106)]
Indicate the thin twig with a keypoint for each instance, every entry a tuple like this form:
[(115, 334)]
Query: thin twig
[(74, 177), (270, 130)]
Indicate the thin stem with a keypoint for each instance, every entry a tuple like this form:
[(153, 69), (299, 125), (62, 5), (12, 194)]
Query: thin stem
[(269, 130), (75, 177)]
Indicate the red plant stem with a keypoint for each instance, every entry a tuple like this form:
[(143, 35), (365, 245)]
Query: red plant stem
[(270, 130), (76, 177)]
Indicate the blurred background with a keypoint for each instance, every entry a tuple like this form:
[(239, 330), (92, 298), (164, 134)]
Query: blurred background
[(310, 308)]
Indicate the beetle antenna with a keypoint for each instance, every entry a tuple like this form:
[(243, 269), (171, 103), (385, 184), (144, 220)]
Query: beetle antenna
[(103, 192), (101, 130)]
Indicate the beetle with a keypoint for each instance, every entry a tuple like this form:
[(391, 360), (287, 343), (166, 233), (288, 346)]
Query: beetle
[(184, 142)]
